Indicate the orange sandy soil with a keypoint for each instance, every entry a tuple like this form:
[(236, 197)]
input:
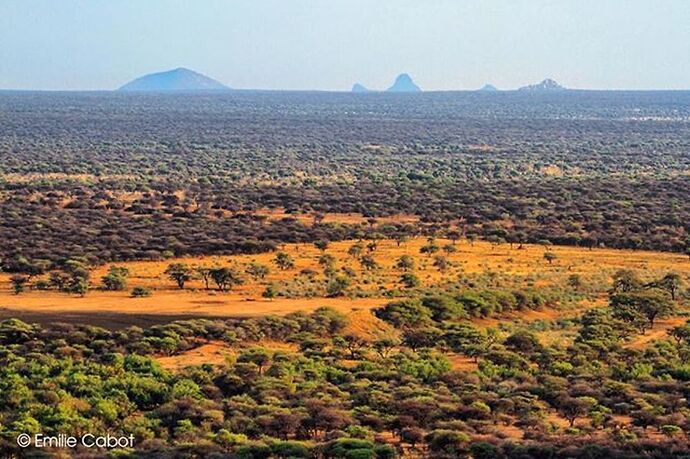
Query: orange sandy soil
[(346, 218), (461, 363), (216, 353), (213, 353), (367, 326), (117, 309), (530, 315), (659, 331)]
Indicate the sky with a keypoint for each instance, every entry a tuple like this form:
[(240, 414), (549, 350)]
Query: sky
[(331, 44)]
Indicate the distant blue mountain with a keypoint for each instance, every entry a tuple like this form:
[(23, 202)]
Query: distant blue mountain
[(404, 84), (179, 79), (359, 88), (488, 88), (548, 85)]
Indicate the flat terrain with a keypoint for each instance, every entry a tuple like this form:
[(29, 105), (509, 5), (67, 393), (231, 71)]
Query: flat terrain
[(468, 343), (520, 267)]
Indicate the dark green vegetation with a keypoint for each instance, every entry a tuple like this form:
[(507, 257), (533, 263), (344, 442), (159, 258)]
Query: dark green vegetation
[(334, 394), (148, 176)]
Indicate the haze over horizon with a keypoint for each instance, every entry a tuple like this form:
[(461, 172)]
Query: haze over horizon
[(307, 44)]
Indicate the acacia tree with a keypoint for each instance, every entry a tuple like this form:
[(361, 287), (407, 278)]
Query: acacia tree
[(449, 248), (384, 346), (441, 263), (205, 274), (270, 292), (355, 250), (79, 286), (641, 308), (368, 262), (681, 333), (259, 356), (58, 280), (337, 286), (115, 279), (405, 263), (180, 273), (225, 278), (257, 270), (625, 280), (453, 235), (284, 261), (422, 337), (410, 280), (430, 248), (671, 282), (19, 283), (353, 343), (78, 277), (466, 340), (572, 408), (550, 257), (322, 244)]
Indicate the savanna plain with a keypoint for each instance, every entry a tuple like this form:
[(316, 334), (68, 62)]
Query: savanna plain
[(323, 275)]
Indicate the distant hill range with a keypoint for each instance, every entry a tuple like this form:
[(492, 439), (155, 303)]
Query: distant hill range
[(359, 88), (179, 79), (404, 83), (547, 85), (185, 80), (488, 88)]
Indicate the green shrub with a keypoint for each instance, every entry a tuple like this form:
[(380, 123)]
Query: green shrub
[(140, 292)]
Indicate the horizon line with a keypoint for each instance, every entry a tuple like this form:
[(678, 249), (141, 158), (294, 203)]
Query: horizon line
[(348, 91)]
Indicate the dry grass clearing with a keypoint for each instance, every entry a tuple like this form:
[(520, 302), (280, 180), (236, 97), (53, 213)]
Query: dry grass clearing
[(364, 324), (659, 331), (479, 258), (117, 309), (527, 266), (217, 353), (213, 353), (334, 217)]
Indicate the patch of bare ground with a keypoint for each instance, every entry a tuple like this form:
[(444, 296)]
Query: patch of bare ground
[(334, 217), (364, 324), (659, 331), (217, 353), (117, 310), (214, 353), (460, 362)]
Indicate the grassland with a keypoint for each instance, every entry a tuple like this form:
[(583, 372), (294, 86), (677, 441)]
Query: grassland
[(478, 261)]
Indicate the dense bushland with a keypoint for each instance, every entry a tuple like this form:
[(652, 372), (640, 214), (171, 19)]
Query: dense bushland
[(113, 177), (335, 394)]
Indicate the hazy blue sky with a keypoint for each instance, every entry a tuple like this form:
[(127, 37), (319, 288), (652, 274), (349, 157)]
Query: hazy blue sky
[(330, 44)]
